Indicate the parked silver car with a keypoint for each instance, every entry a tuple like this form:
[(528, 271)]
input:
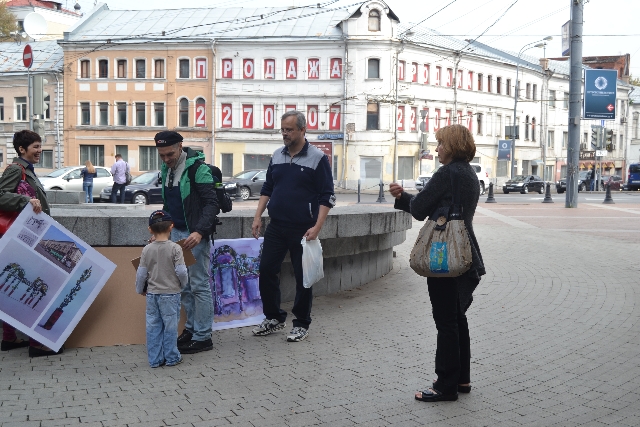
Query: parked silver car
[(69, 178)]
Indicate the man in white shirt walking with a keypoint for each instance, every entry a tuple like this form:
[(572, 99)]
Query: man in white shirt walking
[(118, 170)]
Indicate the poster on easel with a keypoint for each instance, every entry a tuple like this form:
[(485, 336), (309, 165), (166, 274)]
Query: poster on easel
[(48, 278), (234, 278)]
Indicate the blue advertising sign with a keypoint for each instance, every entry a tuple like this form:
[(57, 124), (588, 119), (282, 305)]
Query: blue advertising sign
[(600, 94), (504, 150)]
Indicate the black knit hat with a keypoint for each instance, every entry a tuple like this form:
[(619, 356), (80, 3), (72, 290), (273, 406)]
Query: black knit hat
[(167, 138)]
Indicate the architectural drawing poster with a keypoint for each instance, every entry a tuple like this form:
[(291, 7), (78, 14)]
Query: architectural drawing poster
[(48, 278), (235, 265)]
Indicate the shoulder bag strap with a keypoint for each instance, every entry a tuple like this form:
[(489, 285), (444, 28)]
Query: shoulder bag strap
[(456, 205)]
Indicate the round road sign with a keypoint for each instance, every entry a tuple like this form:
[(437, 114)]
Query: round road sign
[(27, 56)]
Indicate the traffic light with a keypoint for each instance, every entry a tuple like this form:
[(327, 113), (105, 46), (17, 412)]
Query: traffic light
[(38, 127), (595, 136), (39, 106), (608, 139)]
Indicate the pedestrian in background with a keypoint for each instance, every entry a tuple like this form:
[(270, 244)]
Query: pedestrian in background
[(450, 296), (161, 276), (299, 191), (119, 171), (88, 173)]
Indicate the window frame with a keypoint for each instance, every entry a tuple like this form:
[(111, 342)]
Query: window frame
[(181, 112), (369, 68), (179, 70), (480, 83), (99, 113), (374, 14), (84, 62), (370, 116), (155, 114), (135, 66), (117, 108), (125, 70), (84, 107), (499, 85), (136, 108), (22, 111), (100, 68)]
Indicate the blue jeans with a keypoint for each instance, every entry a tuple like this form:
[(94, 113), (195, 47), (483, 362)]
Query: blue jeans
[(163, 312), (196, 295), (87, 187), (115, 189)]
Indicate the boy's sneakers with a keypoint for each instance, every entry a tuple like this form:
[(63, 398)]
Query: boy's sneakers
[(268, 326), (297, 334), (196, 346), (184, 338)]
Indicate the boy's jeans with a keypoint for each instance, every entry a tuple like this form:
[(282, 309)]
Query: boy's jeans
[(163, 312)]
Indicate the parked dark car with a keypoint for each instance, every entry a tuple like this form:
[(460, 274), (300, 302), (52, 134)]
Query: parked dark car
[(144, 189), (523, 184), (633, 179), (613, 181), (246, 183), (584, 182)]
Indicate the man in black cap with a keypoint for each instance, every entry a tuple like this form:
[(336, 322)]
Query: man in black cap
[(193, 207)]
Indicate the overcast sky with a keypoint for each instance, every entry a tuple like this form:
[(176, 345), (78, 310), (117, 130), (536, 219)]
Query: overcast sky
[(608, 26)]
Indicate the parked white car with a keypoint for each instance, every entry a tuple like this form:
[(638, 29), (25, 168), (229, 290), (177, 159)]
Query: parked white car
[(481, 172), (69, 179)]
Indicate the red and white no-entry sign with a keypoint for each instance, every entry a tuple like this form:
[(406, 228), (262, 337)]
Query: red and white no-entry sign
[(27, 56)]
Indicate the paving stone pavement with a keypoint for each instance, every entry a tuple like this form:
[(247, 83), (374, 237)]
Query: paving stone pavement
[(555, 342)]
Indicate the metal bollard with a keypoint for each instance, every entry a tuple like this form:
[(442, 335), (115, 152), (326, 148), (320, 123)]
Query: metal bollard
[(381, 194), (490, 198), (607, 198), (359, 182), (547, 194)]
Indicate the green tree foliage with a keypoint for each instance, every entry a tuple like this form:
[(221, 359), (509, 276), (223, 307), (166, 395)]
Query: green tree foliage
[(634, 80), (7, 21)]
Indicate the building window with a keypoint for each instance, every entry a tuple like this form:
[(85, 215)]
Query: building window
[(499, 85), (373, 68), (479, 123), (149, 158), (374, 20), (565, 101), (490, 84), (373, 116), (103, 69), (257, 161), (552, 98), (501, 169), (550, 139), (184, 113), (141, 68), (480, 77), (528, 91), (508, 87), (85, 69), (46, 160), (85, 113), (489, 129), (1, 109), (533, 129), (47, 110), (122, 69), (93, 153), (122, 113), (499, 125), (123, 150), (201, 113), (405, 167), (21, 108), (184, 69), (158, 109), (159, 69), (535, 92), (565, 139), (226, 164), (103, 113), (201, 68), (141, 114), (526, 128)]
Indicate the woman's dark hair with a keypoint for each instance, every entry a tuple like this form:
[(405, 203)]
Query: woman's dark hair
[(457, 141), (24, 139)]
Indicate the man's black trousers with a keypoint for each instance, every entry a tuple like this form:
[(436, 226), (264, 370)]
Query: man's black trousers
[(277, 241)]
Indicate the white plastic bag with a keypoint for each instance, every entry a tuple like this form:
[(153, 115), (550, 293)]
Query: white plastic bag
[(312, 269)]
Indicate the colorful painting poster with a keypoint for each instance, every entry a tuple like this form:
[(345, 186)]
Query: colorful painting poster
[(48, 278), (235, 265)]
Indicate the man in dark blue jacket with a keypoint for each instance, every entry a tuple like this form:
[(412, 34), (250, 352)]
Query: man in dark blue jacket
[(299, 191)]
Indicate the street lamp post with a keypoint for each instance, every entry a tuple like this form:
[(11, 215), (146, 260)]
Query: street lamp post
[(515, 100)]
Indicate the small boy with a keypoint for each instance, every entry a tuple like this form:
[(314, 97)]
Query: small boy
[(160, 276)]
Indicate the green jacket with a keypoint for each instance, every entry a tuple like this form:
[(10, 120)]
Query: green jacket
[(200, 206), (12, 201)]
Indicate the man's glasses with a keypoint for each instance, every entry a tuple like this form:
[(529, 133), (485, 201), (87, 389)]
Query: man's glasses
[(287, 131), (170, 180)]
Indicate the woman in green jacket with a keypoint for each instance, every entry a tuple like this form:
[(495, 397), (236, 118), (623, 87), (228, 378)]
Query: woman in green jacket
[(28, 145)]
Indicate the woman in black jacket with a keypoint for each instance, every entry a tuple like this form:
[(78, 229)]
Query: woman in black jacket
[(450, 296), (28, 145)]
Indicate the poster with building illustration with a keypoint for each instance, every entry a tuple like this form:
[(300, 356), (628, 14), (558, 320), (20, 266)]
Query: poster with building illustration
[(48, 278), (234, 279)]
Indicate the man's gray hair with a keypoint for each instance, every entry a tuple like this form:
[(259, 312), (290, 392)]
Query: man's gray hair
[(301, 120)]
